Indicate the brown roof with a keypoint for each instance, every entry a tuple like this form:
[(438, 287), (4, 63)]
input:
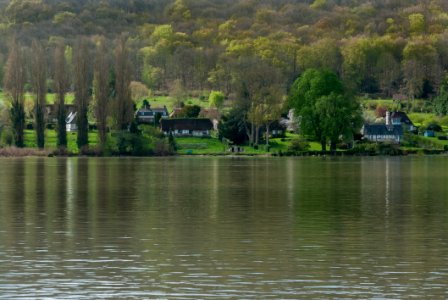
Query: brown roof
[(186, 124), (175, 112), (209, 113)]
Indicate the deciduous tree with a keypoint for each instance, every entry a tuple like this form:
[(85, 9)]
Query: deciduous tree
[(82, 74), (39, 83), (326, 110), (14, 81), (123, 99), (216, 99), (61, 85), (101, 90)]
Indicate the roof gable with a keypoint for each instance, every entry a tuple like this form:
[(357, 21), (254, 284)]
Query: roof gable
[(402, 116), (381, 129), (186, 124)]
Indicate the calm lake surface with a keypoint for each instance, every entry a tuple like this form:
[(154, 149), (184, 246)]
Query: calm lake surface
[(239, 228)]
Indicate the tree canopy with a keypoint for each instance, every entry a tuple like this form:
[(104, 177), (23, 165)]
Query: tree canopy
[(327, 112)]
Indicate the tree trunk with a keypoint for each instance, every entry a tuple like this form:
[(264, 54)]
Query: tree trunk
[(333, 146), (61, 125), (61, 85), (39, 82), (323, 143), (267, 133), (257, 136), (252, 134), (101, 91), (14, 81)]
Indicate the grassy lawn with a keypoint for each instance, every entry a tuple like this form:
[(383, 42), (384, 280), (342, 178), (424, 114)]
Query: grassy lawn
[(198, 145), (51, 137)]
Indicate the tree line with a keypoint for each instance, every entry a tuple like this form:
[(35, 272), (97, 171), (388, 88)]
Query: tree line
[(98, 78), (384, 48)]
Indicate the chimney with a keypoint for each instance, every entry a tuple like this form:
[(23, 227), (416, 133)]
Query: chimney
[(388, 121)]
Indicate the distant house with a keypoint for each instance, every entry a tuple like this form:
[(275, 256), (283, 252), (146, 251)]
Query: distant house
[(51, 112), (290, 122), (277, 129), (187, 127), (70, 122), (383, 133), (388, 132), (147, 114), (401, 118)]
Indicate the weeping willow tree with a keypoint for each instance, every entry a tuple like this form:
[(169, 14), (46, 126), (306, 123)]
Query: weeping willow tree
[(14, 82)]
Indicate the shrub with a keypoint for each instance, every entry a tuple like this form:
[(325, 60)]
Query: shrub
[(7, 137), (411, 140), (126, 143), (364, 148), (443, 121), (298, 145), (434, 126), (162, 148), (389, 149)]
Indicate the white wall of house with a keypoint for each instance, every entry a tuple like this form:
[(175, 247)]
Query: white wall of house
[(384, 138), (71, 127), (196, 133)]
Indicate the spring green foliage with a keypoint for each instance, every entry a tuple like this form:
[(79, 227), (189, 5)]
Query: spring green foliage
[(198, 42), (441, 101), (326, 110), (216, 99)]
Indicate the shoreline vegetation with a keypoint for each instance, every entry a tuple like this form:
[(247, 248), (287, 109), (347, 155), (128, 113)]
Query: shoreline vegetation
[(288, 144), (13, 151)]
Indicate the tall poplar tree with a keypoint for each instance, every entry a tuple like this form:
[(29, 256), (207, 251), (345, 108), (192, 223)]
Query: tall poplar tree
[(39, 83), (14, 82), (61, 84), (81, 64), (101, 90), (123, 98)]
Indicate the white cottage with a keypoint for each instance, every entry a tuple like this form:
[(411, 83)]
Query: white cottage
[(70, 122)]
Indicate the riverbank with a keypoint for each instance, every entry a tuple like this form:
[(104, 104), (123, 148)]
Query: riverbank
[(33, 152), (22, 152)]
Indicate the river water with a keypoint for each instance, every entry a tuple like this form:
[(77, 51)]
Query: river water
[(224, 228)]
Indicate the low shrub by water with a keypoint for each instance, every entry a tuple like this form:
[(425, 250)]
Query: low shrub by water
[(20, 152)]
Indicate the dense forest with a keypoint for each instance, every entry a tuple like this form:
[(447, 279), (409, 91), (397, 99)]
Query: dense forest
[(382, 47)]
